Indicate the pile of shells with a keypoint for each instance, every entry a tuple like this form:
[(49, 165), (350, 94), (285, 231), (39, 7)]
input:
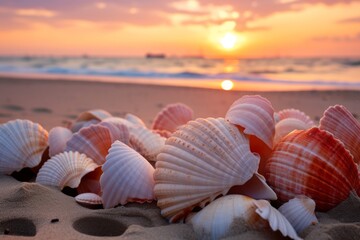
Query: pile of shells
[(209, 172)]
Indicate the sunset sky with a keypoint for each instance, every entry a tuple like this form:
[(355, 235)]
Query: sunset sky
[(213, 28)]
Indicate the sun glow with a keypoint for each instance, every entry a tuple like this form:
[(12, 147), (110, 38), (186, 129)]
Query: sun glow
[(228, 41), (227, 85)]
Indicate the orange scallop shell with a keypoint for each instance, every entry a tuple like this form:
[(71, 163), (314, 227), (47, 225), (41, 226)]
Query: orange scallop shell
[(312, 163)]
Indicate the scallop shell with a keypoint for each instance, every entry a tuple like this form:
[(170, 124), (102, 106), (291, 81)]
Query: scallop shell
[(89, 200), (287, 125), (256, 115), (294, 113), (134, 119), (98, 114), (22, 144), (95, 140), (58, 136), (340, 122), (127, 177), (300, 211), (312, 163), (65, 169), (234, 214), (199, 162), (172, 116), (83, 124)]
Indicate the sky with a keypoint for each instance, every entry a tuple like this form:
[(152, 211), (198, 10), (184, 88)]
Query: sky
[(213, 28)]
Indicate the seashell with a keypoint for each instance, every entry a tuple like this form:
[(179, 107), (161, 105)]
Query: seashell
[(98, 114), (135, 120), (199, 162), (127, 177), (300, 212), (58, 136), (89, 200), (294, 113), (117, 131), (22, 144), (83, 124), (172, 116), (312, 163), (340, 122), (94, 141), (146, 142), (255, 115), (287, 125), (65, 169), (90, 183), (234, 214), (162, 133)]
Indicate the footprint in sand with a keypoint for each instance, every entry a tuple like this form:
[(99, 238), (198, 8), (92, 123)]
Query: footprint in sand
[(18, 227), (15, 108), (41, 110)]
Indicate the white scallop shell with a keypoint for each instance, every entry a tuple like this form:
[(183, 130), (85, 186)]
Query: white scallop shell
[(233, 214), (294, 113), (256, 115), (127, 177), (287, 125), (58, 136), (134, 119), (340, 122), (22, 144), (90, 200), (65, 169), (199, 162), (172, 116), (300, 212)]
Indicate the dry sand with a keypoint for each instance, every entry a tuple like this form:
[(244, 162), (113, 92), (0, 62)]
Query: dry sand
[(40, 212)]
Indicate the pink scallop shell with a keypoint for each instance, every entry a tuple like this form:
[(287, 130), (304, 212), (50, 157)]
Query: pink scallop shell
[(312, 163), (172, 116), (256, 115), (340, 122)]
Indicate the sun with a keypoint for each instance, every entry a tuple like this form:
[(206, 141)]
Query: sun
[(227, 85), (228, 41)]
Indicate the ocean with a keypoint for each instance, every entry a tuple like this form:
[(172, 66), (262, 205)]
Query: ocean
[(246, 74)]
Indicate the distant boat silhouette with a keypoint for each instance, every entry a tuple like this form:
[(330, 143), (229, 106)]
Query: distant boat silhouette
[(155, 55)]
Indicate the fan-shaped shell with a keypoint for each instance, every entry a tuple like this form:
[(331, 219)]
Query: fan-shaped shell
[(89, 200), (127, 177), (199, 162), (287, 125), (340, 122), (294, 113), (234, 214), (312, 163), (300, 211), (256, 115), (65, 169), (95, 140), (22, 144), (134, 119), (58, 136), (98, 114), (172, 116)]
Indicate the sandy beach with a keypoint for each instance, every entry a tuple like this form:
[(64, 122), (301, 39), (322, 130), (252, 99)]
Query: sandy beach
[(41, 212)]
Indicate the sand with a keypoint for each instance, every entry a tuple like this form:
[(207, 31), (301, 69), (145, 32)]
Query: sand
[(42, 212)]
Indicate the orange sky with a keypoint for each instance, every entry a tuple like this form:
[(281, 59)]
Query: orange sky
[(180, 27)]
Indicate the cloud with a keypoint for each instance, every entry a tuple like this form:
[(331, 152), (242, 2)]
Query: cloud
[(340, 38), (351, 20)]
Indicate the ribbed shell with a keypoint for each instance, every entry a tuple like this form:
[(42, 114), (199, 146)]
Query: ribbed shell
[(127, 177), (94, 141), (89, 200), (199, 162), (256, 115), (65, 169), (172, 116), (287, 125), (340, 122), (300, 211), (294, 113), (220, 218), (58, 137), (22, 144), (312, 163), (98, 114), (134, 119)]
